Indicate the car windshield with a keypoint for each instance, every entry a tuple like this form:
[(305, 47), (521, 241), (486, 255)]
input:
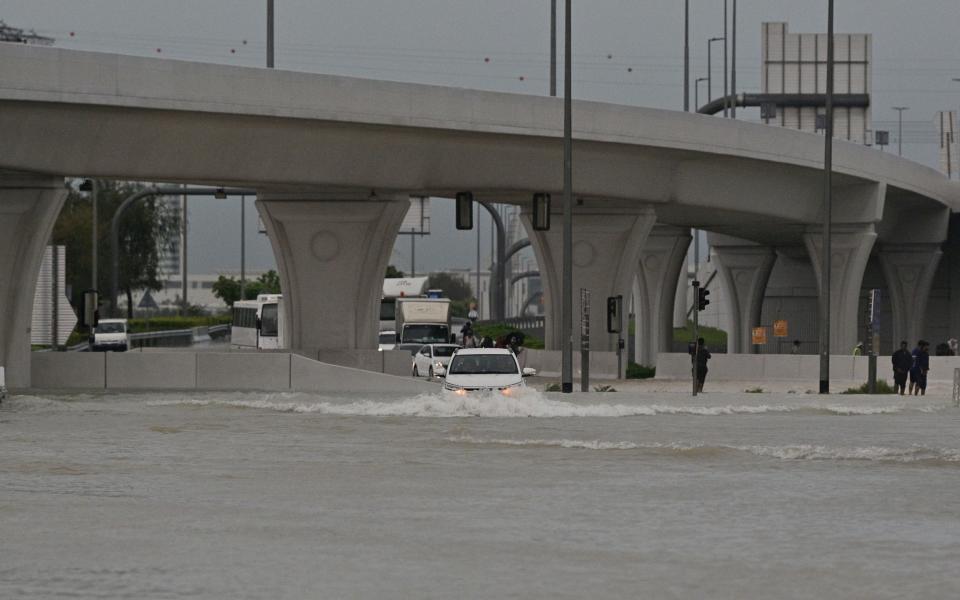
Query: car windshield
[(425, 334), (483, 364), (443, 350), (388, 338), (109, 328)]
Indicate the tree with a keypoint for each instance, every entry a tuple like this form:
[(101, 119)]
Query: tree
[(393, 272), (147, 229), (453, 287), (228, 288)]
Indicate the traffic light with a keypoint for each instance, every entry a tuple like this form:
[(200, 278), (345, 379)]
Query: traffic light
[(464, 218), (702, 301), (614, 310)]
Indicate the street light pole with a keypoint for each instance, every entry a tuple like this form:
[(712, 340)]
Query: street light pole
[(733, 62), (553, 48), (94, 190), (566, 327), (243, 244), (825, 259), (696, 93), (710, 67), (900, 110), (686, 56), (725, 92), (270, 30)]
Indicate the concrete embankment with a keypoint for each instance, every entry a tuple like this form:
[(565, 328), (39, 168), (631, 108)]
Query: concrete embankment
[(271, 371)]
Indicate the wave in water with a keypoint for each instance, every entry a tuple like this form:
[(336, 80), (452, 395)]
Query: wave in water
[(802, 452), (526, 403)]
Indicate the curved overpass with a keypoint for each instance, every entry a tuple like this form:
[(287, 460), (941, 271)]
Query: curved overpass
[(298, 136)]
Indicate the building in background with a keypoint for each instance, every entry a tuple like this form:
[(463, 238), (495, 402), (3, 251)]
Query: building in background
[(794, 66), (45, 310)]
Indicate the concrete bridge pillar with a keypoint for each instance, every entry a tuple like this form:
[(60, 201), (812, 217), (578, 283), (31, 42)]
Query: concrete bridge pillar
[(851, 245), (607, 241), (29, 206), (331, 255), (744, 270), (909, 271), (662, 260)]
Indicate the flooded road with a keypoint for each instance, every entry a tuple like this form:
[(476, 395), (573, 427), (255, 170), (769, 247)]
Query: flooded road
[(254, 495)]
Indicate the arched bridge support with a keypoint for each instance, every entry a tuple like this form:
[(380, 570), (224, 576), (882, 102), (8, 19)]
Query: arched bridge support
[(662, 259), (606, 247), (29, 206), (744, 269), (331, 254)]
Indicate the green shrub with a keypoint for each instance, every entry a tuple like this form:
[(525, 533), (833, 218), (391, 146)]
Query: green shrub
[(712, 337), (635, 371), (552, 387), (756, 390), (882, 388), (497, 330), (173, 322), (604, 388)]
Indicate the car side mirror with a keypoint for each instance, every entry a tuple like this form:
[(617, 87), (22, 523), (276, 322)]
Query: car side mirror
[(528, 372)]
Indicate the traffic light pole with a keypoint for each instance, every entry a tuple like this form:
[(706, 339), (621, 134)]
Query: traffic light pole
[(696, 335)]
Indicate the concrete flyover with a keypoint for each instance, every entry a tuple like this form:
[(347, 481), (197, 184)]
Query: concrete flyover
[(333, 159)]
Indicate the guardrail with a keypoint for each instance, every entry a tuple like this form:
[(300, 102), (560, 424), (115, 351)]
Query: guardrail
[(166, 338), (535, 322)]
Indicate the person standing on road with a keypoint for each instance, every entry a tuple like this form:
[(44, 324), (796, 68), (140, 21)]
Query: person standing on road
[(796, 347), (699, 355), (858, 349), (920, 368), (902, 363), (467, 335)]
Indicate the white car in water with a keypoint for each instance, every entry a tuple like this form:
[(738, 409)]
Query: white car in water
[(432, 359), (475, 369)]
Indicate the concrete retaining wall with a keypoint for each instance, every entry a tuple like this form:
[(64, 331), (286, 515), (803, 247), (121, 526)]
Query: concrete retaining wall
[(603, 365), (267, 371), (762, 367), (74, 370)]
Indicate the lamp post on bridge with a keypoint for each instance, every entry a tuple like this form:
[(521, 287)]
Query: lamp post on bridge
[(900, 110), (696, 93), (710, 66)]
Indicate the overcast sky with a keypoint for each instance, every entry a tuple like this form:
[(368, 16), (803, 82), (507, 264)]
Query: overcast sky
[(625, 52)]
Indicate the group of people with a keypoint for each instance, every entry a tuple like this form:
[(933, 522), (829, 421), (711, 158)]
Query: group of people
[(913, 365), (470, 340)]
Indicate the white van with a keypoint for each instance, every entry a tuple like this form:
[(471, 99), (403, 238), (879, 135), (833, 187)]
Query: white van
[(259, 323), (109, 335)]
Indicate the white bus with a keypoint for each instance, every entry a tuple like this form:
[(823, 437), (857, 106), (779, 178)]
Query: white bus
[(258, 323)]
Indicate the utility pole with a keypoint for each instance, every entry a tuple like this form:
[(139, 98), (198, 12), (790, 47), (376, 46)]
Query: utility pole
[(900, 110), (825, 259), (183, 254), (270, 30)]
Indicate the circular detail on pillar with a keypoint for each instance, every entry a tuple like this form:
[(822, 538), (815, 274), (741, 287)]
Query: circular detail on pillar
[(743, 278), (837, 259), (325, 246), (652, 263), (908, 276), (583, 254)]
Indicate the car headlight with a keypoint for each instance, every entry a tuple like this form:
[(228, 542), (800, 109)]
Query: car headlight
[(438, 365), (511, 389)]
